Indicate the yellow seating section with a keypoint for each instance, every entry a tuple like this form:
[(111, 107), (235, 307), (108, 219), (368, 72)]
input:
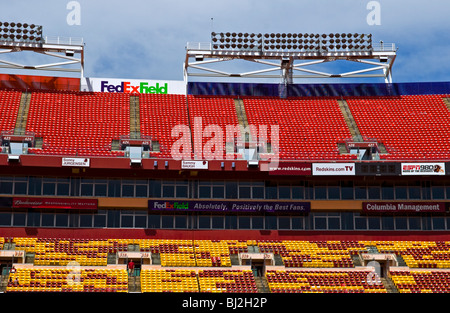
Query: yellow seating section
[(212, 253), (165, 280), (68, 279), (71, 253), (421, 281), (229, 281), (173, 252), (418, 254), (298, 281), (297, 253), (209, 281)]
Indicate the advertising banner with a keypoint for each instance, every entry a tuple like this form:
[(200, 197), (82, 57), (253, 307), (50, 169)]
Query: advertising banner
[(54, 203), (403, 207), (75, 162), (291, 168), (327, 169), (22, 82), (378, 168), (229, 206), (194, 165), (136, 86), (423, 168)]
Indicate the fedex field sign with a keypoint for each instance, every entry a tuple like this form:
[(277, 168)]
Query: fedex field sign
[(127, 87), (135, 86)]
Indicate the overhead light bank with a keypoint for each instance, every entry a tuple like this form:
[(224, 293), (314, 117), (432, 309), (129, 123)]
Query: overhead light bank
[(21, 32), (291, 42)]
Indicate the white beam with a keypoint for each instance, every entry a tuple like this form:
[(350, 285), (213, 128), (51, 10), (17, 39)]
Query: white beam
[(364, 71), (211, 70)]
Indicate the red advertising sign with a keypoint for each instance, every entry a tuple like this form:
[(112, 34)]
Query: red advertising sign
[(291, 168), (39, 82), (54, 203), (400, 207)]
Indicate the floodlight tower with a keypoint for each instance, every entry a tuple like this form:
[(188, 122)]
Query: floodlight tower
[(21, 37), (292, 55)]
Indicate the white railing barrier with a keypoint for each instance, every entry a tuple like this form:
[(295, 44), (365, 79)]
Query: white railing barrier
[(56, 40)]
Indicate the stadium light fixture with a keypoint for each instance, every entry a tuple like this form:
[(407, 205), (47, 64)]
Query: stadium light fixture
[(292, 42), (21, 32), (235, 41)]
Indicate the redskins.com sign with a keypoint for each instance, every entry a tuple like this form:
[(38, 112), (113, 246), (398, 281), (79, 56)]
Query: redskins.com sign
[(332, 169)]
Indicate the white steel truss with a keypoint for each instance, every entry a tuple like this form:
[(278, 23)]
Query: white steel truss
[(66, 52), (290, 65)]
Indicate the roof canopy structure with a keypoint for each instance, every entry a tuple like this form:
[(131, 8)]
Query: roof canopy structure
[(292, 55), (23, 37)]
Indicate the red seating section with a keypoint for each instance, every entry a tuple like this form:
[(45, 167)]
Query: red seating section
[(309, 129), (81, 124), (421, 281), (411, 127), (314, 281), (9, 106), (84, 124), (215, 114), (159, 114)]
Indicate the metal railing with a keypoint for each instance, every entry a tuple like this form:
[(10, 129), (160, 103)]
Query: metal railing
[(376, 46), (56, 40), (200, 46)]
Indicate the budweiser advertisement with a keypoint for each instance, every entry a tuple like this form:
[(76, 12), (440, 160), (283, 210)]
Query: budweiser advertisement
[(54, 203), (423, 168), (404, 207)]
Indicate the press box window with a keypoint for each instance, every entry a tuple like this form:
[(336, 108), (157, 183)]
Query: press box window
[(204, 192), (244, 222), (63, 188), (297, 223), (85, 220), (204, 222), (257, 222), (284, 222), (20, 187), (48, 220), (154, 221), (6, 187), (100, 188), (140, 221), (19, 219), (5, 219), (217, 222), (87, 190), (99, 221), (167, 221), (49, 187)]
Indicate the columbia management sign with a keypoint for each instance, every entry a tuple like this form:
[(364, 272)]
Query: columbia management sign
[(404, 207)]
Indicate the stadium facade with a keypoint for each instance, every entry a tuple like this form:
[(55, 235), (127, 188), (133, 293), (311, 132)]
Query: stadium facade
[(150, 170)]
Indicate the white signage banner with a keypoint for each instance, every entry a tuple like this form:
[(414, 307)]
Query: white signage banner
[(423, 168), (198, 165), (327, 169), (136, 86), (76, 162)]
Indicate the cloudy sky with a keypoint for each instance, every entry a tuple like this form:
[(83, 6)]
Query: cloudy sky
[(146, 39)]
